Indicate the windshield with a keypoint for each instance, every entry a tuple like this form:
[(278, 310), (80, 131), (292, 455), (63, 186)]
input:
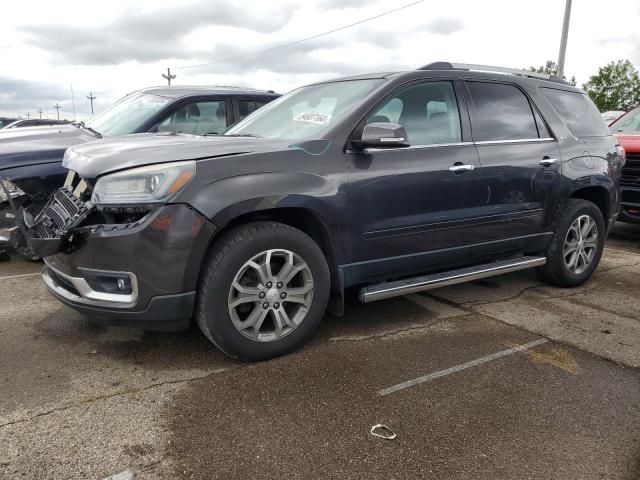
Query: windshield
[(127, 114), (306, 113), (629, 123)]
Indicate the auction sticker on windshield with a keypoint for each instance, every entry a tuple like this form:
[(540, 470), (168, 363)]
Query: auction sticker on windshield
[(315, 118)]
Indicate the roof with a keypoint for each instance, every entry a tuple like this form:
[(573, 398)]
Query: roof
[(177, 91), (467, 71)]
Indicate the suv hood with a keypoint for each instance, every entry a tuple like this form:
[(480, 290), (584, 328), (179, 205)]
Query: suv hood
[(631, 143), (97, 158), (34, 145)]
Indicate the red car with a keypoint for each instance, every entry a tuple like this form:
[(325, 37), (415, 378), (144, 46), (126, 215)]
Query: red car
[(627, 131)]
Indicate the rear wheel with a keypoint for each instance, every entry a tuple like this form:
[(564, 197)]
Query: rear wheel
[(576, 246), (264, 291)]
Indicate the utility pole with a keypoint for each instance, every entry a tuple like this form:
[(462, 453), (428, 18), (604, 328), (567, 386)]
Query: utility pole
[(40, 112), (28, 115), (91, 98), (73, 102), (168, 76), (563, 39), (57, 107)]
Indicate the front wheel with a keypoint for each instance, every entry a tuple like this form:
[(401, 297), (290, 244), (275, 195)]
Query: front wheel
[(576, 246), (263, 292)]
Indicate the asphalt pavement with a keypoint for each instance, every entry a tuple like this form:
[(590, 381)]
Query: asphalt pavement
[(505, 378)]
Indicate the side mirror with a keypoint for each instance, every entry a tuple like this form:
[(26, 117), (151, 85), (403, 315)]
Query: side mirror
[(382, 135)]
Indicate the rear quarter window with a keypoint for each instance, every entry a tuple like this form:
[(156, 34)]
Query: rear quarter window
[(578, 112)]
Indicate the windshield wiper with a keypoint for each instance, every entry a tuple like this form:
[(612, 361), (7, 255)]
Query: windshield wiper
[(253, 135), (92, 130)]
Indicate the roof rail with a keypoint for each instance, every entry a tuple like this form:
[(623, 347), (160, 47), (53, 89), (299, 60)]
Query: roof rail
[(488, 68)]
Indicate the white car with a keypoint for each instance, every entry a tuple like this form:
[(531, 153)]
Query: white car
[(611, 115)]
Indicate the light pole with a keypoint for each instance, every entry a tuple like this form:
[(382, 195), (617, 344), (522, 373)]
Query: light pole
[(563, 39), (57, 107)]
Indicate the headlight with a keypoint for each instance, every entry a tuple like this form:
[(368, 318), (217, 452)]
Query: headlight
[(151, 184), (14, 191)]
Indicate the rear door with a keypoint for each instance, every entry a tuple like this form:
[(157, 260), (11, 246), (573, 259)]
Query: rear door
[(519, 166)]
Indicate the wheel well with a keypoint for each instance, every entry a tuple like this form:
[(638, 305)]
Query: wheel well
[(299, 218), (596, 195)]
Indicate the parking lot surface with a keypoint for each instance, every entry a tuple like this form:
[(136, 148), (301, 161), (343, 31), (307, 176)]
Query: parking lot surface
[(501, 378)]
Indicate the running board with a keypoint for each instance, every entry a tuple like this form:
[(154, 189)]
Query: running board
[(381, 291)]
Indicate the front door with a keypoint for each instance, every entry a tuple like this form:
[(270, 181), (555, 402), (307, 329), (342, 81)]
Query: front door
[(411, 207)]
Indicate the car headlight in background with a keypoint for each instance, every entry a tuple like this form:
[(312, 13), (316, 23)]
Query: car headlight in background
[(14, 191), (150, 184)]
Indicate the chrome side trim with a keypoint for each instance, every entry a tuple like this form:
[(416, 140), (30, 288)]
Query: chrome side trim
[(412, 147), (452, 277), (87, 294), (457, 144), (520, 140)]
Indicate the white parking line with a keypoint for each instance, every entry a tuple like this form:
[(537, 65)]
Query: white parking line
[(126, 475), (8, 277), (458, 368)]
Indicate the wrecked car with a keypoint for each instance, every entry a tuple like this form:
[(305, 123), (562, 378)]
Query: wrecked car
[(31, 158), (389, 184)]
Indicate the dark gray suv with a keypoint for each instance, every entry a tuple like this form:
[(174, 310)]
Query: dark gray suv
[(392, 183)]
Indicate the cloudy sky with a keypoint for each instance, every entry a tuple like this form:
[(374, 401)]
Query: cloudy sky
[(112, 48)]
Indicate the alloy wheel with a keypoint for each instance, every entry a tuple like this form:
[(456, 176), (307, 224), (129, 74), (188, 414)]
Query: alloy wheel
[(580, 244), (270, 295)]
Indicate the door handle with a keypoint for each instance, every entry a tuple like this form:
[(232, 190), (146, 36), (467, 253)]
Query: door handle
[(546, 161), (460, 168)]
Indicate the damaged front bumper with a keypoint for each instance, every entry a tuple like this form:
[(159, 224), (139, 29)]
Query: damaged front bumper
[(52, 229), (143, 273)]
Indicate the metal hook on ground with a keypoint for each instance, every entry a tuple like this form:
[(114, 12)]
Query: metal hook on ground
[(382, 431)]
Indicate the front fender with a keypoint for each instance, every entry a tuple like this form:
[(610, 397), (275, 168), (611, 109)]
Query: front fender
[(226, 199)]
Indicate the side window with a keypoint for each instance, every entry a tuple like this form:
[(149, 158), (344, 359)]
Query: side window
[(198, 118), (578, 112), (427, 111), (501, 112)]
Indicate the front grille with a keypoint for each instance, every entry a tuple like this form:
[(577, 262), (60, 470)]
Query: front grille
[(62, 212), (631, 171)]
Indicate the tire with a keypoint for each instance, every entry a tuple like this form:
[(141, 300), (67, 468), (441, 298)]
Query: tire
[(230, 276), (559, 270)]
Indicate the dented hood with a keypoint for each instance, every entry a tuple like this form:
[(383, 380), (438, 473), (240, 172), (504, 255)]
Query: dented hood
[(94, 159)]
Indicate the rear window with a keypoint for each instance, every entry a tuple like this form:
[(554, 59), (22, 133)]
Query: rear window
[(578, 111)]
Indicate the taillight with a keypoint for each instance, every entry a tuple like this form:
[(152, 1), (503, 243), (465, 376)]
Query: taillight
[(622, 154)]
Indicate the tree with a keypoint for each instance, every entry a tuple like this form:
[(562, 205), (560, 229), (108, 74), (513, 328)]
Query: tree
[(616, 86), (551, 68)]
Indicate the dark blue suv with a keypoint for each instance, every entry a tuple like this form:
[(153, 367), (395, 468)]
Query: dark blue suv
[(392, 183)]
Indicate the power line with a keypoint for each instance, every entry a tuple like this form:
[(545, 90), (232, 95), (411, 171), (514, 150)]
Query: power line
[(284, 45)]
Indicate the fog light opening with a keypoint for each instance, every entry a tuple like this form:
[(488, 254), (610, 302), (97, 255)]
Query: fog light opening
[(106, 282)]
